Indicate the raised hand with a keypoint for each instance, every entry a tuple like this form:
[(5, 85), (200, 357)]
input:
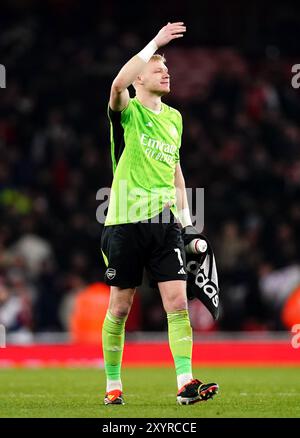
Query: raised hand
[(169, 33)]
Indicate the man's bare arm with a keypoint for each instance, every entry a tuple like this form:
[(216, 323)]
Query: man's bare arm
[(181, 198), (119, 95)]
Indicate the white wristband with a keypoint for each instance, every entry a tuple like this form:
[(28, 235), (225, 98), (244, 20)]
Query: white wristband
[(185, 217), (148, 51)]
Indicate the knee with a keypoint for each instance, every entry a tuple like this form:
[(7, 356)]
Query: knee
[(120, 311), (120, 302), (179, 303)]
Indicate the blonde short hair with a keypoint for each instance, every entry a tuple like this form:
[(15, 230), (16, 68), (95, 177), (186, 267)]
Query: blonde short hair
[(158, 57)]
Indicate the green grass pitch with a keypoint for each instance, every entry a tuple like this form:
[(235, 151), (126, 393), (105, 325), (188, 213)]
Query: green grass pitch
[(148, 392)]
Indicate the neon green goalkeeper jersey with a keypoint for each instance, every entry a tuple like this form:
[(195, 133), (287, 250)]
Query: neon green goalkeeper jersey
[(144, 151)]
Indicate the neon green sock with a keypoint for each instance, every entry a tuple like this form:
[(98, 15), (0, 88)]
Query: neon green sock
[(180, 340), (113, 335)]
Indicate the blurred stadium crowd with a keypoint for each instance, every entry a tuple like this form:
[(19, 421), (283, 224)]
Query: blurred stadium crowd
[(241, 143)]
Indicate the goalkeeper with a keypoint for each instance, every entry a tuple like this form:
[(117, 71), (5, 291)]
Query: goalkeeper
[(148, 187)]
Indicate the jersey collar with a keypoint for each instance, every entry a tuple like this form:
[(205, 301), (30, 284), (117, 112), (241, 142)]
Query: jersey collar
[(149, 109)]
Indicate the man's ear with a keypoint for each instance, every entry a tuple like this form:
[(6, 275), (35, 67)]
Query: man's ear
[(139, 80)]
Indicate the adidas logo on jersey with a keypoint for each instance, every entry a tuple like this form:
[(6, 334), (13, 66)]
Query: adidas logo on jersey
[(181, 271)]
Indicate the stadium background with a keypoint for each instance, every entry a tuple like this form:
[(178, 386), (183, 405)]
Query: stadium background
[(231, 79)]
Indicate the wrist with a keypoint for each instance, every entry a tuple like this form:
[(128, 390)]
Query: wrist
[(157, 45), (185, 217), (148, 51)]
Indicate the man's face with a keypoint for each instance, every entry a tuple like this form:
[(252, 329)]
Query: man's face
[(155, 78)]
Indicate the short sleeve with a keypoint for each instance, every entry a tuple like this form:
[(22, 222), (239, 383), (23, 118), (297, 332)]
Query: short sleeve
[(125, 113)]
